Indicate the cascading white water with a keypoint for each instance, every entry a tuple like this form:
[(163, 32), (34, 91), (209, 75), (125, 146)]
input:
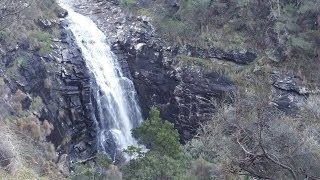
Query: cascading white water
[(117, 109)]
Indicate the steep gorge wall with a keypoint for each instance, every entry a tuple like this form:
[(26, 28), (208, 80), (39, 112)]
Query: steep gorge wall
[(61, 79), (185, 96)]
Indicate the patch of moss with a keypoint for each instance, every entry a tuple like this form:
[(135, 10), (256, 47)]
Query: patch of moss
[(42, 40), (47, 83), (12, 72), (127, 3), (300, 43), (3, 35), (145, 12), (36, 104), (19, 62)]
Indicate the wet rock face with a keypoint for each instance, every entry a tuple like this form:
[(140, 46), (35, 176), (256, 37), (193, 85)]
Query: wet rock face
[(76, 87), (185, 96), (63, 82)]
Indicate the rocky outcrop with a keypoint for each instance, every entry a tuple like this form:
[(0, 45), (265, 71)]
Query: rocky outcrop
[(62, 81), (289, 91), (291, 83), (239, 57), (76, 87), (185, 96)]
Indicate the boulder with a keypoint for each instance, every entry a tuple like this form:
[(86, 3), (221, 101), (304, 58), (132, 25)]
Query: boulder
[(46, 23), (289, 82), (237, 56), (62, 13)]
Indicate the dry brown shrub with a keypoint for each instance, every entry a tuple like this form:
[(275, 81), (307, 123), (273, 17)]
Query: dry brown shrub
[(46, 128), (39, 154), (113, 173), (9, 157), (19, 96), (16, 99), (34, 128)]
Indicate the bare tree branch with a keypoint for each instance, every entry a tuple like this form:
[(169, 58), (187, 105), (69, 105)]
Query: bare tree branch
[(293, 173)]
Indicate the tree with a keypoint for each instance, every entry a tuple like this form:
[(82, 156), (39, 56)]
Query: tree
[(134, 152), (158, 135), (252, 138), (164, 160)]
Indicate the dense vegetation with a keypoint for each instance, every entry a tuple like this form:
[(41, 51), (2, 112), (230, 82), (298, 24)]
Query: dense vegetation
[(24, 151), (243, 141), (284, 33), (32, 21)]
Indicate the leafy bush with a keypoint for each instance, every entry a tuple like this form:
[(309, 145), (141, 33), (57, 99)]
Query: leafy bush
[(43, 41), (157, 166), (83, 171), (165, 159), (21, 62), (158, 135), (103, 160), (3, 35), (127, 3), (36, 104), (18, 63), (101, 168), (134, 152)]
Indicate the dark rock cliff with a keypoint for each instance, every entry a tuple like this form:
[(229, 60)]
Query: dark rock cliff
[(62, 81), (185, 96)]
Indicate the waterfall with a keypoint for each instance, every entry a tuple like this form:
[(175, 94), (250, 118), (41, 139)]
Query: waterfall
[(117, 110)]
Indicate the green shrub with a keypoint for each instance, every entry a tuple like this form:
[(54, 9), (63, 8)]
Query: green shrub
[(300, 43), (83, 171), (43, 40), (102, 160), (101, 168), (21, 62), (134, 152), (36, 104), (3, 35), (158, 166), (145, 12), (127, 3), (158, 135), (175, 30), (13, 71)]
